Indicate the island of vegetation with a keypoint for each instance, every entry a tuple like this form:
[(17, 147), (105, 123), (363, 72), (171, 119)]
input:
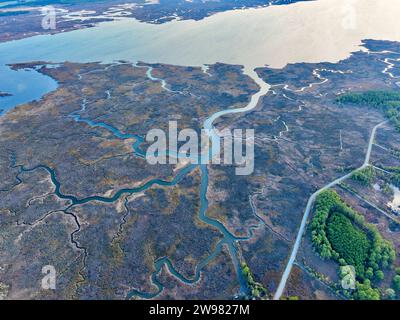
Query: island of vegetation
[(340, 233)]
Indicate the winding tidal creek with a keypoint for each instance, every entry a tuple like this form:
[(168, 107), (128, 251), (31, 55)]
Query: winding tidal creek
[(315, 31)]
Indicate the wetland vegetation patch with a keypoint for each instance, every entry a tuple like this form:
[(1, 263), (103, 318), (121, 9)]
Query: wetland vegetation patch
[(387, 102)]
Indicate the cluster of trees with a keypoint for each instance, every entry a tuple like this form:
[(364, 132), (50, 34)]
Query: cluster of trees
[(348, 241), (323, 204), (395, 179), (256, 289), (386, 101), (365, 176), (390, 293), (396, 281), (395, 152), (392, 179), (290, 298), (340, 233), (364, 291), (395, 176)]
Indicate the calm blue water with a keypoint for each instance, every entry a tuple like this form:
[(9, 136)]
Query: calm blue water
[(24, 85)]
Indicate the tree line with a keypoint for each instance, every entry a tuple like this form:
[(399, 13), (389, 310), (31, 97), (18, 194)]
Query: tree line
[(387, 102)]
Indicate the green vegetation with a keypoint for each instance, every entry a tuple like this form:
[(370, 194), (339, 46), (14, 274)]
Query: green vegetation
[(340, 233), (256, 290), (294, 298), (395, 175), (386, 189), (366, 292), (396, 283), (386, 101), (348, 241), (394, 152), (365, 176), (395, 179), (325, 201)]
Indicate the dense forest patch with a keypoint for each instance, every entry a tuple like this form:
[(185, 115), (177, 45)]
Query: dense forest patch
[(340, 233), (351, 243)]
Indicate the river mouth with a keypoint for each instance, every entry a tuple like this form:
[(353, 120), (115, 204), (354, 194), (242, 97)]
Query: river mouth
[(324, 30), (315, 31)]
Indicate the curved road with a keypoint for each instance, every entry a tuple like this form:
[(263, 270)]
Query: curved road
[(310, 202)]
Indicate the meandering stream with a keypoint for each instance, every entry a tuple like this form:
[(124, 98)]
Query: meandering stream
[(252, 38)]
